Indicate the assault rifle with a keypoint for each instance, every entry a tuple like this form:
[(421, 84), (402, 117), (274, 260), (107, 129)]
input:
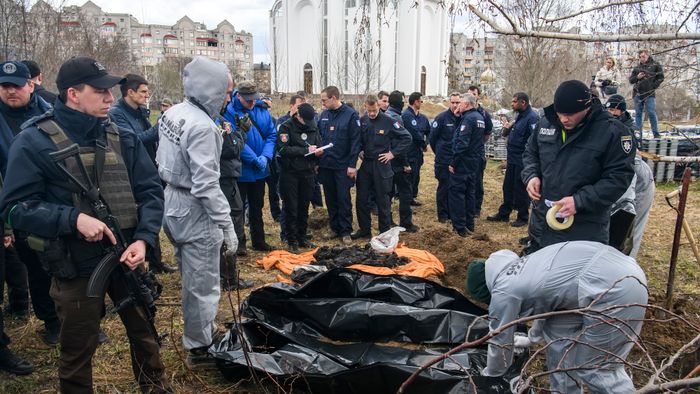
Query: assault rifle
[(143, 288)]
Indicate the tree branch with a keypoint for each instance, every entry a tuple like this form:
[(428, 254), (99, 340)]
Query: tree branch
[(688, 16), (599, 7), (670, 386)]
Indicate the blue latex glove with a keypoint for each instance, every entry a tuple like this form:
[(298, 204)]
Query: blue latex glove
[(261, 163)]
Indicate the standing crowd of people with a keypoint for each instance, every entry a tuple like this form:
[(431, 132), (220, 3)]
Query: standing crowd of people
[(201, 173)]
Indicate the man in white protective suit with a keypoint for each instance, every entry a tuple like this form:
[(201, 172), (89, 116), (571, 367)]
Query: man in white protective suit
[(566, 276)]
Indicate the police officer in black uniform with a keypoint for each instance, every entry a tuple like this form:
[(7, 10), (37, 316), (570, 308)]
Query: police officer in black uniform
[(580, 158), (297, 142), (466, 161), (488, 128), (38, 199), (442, 131), (383, 139), (419, 126)]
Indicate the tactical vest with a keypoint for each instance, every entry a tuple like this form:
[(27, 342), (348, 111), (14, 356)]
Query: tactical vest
[(114, 184)]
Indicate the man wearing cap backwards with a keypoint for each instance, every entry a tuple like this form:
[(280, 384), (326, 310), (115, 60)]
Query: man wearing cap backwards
[(383, 139), (641, 190), (560, 277), (19, 103), (37, 199), (297, 142), (197, 213), (245, 112), (580, 158)]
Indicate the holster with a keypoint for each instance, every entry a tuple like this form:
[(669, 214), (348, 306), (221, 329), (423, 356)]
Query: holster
[(54, 256)]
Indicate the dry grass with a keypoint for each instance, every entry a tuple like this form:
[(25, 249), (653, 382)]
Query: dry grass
[(112, 370)]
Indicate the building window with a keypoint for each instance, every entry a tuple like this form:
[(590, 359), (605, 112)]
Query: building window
[(121, 19)]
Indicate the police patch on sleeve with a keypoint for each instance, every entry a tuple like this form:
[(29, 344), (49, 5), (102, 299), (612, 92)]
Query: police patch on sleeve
[(397, 125), (413, 122), (435, 124), (626, 141), (358, 122), (304, 136), (284, 137)]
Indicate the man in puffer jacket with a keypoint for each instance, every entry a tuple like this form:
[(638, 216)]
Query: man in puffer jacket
[(197, 214), (256, 122)]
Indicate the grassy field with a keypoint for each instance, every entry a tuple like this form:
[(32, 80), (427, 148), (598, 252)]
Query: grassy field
[(112, 370)]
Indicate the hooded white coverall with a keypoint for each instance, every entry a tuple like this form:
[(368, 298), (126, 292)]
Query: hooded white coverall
[(197, 213), (567, 276)]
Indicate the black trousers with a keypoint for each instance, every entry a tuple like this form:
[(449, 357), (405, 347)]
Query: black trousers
[(415, 176), (4, 339), (514, 193), (479, 187), (273, 193), (370, 184), (336, 190), (17, 280), (229, 187), (254, 194), (296, 189), (404, 189), (39, 284), (317, 196), (442, 174)]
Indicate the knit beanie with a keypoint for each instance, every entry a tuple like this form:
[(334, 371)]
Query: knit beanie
[(571, 97), (616, 101), (476, 281)]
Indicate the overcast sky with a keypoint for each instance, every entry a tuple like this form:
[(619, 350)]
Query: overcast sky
[(248, 15)]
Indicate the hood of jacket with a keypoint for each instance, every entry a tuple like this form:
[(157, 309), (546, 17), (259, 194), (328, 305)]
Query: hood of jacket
[(496, 262), (205, 81)]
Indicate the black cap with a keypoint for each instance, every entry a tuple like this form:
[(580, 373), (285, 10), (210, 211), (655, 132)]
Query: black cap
[(33, 67), (79, 70), (15, 73), (571, 97), (617, 101), (306, 111)]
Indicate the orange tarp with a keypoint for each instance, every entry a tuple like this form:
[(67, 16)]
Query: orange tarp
[(423, 264)]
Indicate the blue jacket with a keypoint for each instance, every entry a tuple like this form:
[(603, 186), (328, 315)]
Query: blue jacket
[(35, 107), (256, 145), (468, 141), (442, 131), (418, 126), (488, 125), (520, 132), (31, 202), (136, 120), (341, 127)]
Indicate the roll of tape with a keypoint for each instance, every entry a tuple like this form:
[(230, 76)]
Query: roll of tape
[(555, 224)]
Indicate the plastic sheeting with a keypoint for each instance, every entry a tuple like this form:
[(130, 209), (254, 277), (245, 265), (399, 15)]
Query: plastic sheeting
[(350, 332)]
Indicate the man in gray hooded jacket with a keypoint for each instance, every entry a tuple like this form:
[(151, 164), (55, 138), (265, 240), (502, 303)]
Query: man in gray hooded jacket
[(197, 214), (560, 277)]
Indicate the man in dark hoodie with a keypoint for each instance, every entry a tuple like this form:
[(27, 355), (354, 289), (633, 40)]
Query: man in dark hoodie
[(403, 172), (646, 78), (18, 104), (578, 158), (38, 79)]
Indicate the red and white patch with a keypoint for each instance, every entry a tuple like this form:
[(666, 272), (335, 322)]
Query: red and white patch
[(284, 137)]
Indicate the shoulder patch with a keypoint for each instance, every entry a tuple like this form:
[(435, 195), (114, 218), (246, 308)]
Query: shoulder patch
[(480, 123), (435, 124), (414, 122), (462, 127), (544, 131), (397, 125), (284, 137), (358, 122), (626, 142)]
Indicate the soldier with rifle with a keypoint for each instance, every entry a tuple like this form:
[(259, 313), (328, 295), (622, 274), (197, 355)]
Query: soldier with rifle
[(92, 202)]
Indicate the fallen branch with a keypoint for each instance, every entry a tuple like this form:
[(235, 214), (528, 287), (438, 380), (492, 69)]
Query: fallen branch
[(670, 386)]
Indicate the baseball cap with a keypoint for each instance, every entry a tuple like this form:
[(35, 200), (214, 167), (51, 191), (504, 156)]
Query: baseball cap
[(306, 111), (15, 73), (248, 90), (33, 67), (79, 70)]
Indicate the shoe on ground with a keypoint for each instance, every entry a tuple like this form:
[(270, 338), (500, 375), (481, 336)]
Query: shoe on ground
[(519, 223), (416, 203), (239, 284), (347, 240), (360, 235), (51, 334), (497, 218), (306, 244), (265, 247), (241, 251), (162, 268), (443, 220), (200, 359), (524, 241), (293, 247), (20, 314), (411, 228), (102, 337), (9, 362), (464, 233)]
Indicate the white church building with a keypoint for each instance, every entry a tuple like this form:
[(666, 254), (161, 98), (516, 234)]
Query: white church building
[(313, 45)]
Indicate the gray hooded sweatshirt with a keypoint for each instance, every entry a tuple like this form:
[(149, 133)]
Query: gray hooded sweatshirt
[(190, 142)]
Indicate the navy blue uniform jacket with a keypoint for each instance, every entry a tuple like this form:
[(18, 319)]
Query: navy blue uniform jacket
[(341, 127), (442, 131)]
